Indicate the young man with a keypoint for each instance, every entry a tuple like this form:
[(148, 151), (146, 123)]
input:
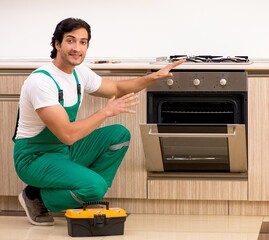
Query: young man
[(67, 162)]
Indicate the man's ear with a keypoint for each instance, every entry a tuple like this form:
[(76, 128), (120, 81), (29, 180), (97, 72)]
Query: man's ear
[(57, 45)]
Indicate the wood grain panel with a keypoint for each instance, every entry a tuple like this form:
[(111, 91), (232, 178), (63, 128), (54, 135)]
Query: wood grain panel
[(197, 189), (249, 208), (11, 84), (10, 203), (11, 184), (184, 207), (10, 87), (258, 138), (146, 206)]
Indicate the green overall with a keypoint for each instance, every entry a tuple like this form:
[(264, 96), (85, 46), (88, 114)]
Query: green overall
[(68, 176)]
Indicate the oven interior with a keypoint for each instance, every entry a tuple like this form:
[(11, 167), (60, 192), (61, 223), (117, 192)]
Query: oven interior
[(197, 108)]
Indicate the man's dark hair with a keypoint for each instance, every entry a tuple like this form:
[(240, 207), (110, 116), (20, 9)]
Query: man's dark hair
[(65, 26)]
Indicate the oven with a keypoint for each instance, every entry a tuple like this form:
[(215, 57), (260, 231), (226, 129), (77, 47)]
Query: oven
[(197, 123)]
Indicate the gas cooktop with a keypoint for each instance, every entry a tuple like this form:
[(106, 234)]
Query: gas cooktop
[(205, 59)]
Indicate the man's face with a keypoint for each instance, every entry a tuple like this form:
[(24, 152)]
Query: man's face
[(73, 48)]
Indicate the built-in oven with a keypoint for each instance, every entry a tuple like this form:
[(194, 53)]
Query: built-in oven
[(197, 122)]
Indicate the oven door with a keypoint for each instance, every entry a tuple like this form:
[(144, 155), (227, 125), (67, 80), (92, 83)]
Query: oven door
[(195, 148)]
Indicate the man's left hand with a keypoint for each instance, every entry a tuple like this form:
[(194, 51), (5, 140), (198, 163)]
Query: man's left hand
[(165, 71)]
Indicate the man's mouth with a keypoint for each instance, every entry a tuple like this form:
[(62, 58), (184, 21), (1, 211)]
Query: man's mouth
[(75, 55)]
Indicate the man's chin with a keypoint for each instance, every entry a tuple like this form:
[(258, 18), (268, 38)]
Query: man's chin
[(75, 63)]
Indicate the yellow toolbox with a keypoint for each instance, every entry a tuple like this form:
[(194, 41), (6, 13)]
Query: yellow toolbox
[(95, 221)]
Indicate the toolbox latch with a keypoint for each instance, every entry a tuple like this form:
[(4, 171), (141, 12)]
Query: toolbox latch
[(99, 220)]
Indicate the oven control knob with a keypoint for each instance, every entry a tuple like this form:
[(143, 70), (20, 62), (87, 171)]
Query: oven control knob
[(170, 82), (196, 82), (223, 82)]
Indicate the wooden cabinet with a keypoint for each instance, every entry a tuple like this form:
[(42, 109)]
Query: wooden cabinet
[(10, 86), (258, 138), (131, 179)]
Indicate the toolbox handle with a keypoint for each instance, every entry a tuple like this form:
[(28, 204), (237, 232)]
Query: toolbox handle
[(88, 204)]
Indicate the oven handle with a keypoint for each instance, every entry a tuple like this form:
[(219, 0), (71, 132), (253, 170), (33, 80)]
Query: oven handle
[(208, 135)]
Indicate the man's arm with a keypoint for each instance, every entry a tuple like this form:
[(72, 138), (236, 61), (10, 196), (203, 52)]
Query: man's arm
[(122, 98), (110, 88), (56, 118)]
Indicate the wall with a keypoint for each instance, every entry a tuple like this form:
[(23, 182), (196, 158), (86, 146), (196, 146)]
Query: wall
[(140, 28)]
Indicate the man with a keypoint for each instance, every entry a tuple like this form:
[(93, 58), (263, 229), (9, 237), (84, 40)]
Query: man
[(67, 162)]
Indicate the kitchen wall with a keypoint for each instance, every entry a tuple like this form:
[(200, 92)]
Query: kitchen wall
[(140, 28)]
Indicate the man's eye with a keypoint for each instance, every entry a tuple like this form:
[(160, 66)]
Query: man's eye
[(70, 40), (84, 42)]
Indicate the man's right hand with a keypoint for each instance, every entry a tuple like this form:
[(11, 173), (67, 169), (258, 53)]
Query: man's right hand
[(123, 104)]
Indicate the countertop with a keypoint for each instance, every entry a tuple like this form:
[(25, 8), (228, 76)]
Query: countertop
[(140, 64)]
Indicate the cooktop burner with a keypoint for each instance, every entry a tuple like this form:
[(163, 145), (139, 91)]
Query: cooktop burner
[(210, 59)]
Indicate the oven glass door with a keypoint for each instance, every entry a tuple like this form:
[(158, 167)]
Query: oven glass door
[(194, 148), (195, 154)]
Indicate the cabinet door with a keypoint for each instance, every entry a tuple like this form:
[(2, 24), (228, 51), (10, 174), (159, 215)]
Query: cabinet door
[(11, 184), (10, 85), (258, 138), (130, 180), (202, 189)]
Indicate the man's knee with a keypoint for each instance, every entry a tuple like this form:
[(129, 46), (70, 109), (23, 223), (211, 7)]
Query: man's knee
[(122, 139), (122, 131), (98, 191)]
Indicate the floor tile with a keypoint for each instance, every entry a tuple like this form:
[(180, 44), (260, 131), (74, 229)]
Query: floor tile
[(148, 227)]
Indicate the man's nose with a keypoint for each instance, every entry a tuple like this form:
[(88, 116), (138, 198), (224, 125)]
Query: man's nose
[(76, 46)]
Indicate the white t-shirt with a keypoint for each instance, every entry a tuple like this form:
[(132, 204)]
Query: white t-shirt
[(39, 90)]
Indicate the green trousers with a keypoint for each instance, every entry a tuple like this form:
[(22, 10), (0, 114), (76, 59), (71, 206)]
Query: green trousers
[(68, 176)]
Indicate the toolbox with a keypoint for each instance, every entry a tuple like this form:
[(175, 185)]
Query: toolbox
[(95, 221)]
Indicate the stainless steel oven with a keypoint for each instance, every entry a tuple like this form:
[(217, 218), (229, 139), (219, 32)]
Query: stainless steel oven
[(196, 122)]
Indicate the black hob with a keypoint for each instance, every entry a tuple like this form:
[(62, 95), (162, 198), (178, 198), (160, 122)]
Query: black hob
[(210, 59)]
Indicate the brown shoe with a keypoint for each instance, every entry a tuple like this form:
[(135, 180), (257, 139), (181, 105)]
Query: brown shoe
[(36, 211)]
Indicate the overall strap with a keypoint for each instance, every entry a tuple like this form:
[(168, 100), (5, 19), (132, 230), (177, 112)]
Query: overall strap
[(60, 91), (17, 125), (78, 85)]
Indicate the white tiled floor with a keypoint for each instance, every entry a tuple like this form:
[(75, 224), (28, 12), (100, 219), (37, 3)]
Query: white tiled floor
[(148, 227)]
